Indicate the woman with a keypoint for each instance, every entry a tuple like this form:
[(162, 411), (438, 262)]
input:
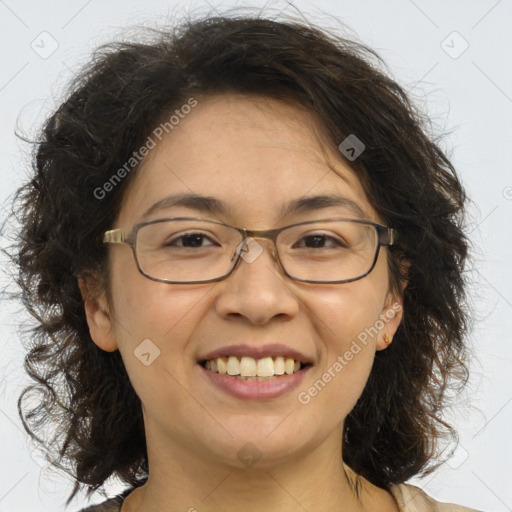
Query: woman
[(246, 260)]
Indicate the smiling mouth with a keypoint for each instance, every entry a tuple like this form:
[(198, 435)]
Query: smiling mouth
[(248, 368)]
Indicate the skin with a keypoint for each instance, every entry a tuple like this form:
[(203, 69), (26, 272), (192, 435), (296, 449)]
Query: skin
[(256, 154)]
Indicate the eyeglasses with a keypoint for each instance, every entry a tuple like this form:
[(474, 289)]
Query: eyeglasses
[(189, 250)]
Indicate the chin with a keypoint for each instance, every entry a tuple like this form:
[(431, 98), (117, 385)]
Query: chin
[(257, 442)]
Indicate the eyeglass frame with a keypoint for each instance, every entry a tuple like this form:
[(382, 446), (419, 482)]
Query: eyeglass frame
[(386, 237)]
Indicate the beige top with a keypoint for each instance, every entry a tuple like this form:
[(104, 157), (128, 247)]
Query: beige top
[(408, 497), (413, 499)]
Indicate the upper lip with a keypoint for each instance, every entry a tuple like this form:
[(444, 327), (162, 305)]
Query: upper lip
[(256, 352)]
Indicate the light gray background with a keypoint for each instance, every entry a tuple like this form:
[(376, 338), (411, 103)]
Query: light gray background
[(468, 94)]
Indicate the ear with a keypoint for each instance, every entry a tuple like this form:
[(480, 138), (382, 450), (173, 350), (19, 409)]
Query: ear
[(393, 310), (98, 315), (391, 316)]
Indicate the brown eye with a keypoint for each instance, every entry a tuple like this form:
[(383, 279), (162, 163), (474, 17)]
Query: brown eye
[(317, 241), (188, 240)]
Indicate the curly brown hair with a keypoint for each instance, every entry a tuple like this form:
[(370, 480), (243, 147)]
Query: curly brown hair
[(84, 393)]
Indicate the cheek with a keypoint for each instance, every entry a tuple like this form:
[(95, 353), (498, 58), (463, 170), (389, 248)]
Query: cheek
[(344, 314), (351, 311), (344, 321), (156, 319), (146, 308), (152, 330)]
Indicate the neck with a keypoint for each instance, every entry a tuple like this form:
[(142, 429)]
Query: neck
[(184, 481)]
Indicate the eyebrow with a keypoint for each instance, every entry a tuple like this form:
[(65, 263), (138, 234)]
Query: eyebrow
[(214, 206)]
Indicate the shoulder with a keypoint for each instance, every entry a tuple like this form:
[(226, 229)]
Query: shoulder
[(411, 498), (113, 504), (110, 505)]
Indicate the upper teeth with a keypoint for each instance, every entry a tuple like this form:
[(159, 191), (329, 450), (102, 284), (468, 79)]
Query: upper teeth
[(249, 367)]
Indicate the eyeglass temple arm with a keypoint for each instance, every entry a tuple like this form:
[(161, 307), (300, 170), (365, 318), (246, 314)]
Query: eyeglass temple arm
[(114, 236), (387, 236)]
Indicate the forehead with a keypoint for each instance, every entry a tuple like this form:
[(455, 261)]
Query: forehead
[(254, 153)]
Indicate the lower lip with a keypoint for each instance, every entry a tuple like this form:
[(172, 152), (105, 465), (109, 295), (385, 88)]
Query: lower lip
[(255, 390)]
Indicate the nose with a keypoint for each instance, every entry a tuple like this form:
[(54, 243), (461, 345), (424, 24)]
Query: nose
[(257, 288)]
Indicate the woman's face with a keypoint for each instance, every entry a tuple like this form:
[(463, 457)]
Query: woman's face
[(256, 155)]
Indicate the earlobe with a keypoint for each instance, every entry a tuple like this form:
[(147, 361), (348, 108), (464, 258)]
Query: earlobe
[(391, 317), (98, 317), (392, 312)]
